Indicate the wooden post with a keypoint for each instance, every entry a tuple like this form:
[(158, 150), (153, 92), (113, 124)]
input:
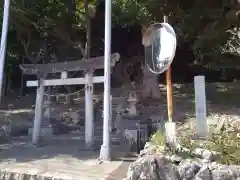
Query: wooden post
[(169, 87), (89, 124), (170, 127), (169, 94), (38, 112)]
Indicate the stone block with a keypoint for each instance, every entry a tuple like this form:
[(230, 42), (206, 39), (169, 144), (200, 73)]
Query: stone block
[(45, 131)]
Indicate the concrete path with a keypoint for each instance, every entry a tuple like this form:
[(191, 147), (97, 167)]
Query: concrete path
[(59, 159)]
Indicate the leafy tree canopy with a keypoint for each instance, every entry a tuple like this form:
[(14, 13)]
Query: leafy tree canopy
[(212, 27)]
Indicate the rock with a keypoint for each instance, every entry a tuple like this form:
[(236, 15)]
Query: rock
[(147, 145), (226, 173), (176, 159), (204, 173), (152, 164), (5, 130), (47, 113), (74, 116), (148, 151), (205, 154), (188, 169), (155, 167)]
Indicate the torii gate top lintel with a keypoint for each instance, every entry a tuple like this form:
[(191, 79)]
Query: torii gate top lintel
[(79, 65)]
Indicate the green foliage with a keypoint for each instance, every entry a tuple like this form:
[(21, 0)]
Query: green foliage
[(227, 144), (1, 16), (80, 12), (205, 24), (233, 42), (158, 138), (131, 12), (188, 143), (12, 50), (218, 40), (214, 42)]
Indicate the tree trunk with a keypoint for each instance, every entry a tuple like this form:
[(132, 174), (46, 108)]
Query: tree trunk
[(22, 80), (88, 31), (150, 87), (87, 53)]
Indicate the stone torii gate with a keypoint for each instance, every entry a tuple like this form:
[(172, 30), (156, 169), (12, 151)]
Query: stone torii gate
[(86, 65)]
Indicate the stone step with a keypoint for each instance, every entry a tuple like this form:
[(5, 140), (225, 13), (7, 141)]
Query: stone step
[(96, 133), (63, 139), (100, 136), (80, 138)]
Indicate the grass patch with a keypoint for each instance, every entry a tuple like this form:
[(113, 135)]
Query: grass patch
[(158, 139), (226, 143)]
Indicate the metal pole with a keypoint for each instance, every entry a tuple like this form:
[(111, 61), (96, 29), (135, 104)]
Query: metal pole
[(169, 87), (105, 148), (3, 43)]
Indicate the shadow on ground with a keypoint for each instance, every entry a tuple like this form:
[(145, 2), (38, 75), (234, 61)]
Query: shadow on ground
[(222, 98)]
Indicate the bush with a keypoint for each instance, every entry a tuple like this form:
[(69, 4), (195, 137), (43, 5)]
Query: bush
[(227, 144), (158, 139)]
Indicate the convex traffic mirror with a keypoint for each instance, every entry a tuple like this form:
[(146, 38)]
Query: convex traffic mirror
[(160, 43)]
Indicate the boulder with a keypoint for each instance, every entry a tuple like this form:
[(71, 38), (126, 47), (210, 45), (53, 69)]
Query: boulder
[(152, 166), (225, 172), (188, 169)]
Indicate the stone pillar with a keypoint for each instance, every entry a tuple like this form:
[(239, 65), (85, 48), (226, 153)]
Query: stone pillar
[(38, 112), (89, 121), (111, 115), (119, 118), (47, 109), (200, 105)]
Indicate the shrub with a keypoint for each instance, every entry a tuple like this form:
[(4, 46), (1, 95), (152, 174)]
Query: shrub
[(227, 144), (158, 138)]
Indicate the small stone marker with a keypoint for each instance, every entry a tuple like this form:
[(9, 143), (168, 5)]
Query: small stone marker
[(74, 115), (200, 105), (132, 100), (47, 109)]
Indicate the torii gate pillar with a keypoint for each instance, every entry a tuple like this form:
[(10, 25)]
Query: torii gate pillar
[(38, 112), (89, 119)]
